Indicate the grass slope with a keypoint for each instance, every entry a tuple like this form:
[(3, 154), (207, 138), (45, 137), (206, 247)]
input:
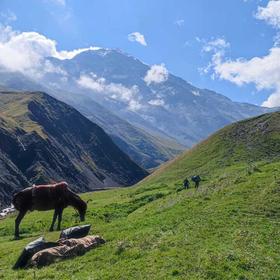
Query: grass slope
[(228, 229), (14, 107)]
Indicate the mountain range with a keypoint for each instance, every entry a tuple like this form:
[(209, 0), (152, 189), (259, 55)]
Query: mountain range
[(147, 96), (152, 115)]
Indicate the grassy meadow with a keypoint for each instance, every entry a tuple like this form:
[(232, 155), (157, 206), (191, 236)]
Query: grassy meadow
[(227, 229)]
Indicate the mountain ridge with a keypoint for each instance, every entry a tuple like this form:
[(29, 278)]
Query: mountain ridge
[(48, 140), (126, 136), (173, 106), (173, 109)]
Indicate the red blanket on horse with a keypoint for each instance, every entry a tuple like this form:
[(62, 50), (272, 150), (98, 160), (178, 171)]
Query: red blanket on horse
[(46, 197)]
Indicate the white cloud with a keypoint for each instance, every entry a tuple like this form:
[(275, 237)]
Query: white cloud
[(195, 93), (156, 102), (270, 13), (217, 47), (119, 92), (26, 52), (70, 54), (92, 82), (217, 44), (50, 68), (137, 37), (156, 74), (179, 22), (276, 40), (23, 51), (8, 16), (263, 72)]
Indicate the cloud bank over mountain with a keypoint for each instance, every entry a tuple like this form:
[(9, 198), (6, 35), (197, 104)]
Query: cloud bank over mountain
[(113, 90), (26, 52), (156, 74)]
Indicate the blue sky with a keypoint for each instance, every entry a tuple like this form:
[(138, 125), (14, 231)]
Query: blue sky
[(176, 33)]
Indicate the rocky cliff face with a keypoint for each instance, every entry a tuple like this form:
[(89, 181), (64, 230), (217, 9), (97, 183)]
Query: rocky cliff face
[(44, 140)]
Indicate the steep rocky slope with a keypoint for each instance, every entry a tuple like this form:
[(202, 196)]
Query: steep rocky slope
[(43, 139), (147, 149)]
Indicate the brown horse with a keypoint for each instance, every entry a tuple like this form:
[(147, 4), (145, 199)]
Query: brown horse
[(46, 197)]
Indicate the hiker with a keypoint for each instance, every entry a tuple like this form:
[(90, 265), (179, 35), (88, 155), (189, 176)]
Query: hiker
[(186, 183), (196, 179)]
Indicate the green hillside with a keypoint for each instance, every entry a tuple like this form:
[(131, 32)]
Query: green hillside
[(227, 229)]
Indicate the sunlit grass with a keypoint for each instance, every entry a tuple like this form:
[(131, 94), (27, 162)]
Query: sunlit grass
[(227, 229)]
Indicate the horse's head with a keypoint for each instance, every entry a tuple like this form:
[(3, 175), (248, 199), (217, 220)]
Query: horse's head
[(80, 205), (82, 210)]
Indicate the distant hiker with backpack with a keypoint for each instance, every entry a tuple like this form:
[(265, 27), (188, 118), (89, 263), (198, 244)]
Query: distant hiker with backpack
[(196, 179), (186, 183)]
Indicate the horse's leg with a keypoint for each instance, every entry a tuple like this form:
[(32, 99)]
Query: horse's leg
[(20, 216), (54, 219), (59, 218)]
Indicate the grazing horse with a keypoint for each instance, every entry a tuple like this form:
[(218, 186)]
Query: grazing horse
[(46, 197)]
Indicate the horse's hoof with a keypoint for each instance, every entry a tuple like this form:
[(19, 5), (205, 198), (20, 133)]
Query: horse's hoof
[(51, 229), (16, 237)]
